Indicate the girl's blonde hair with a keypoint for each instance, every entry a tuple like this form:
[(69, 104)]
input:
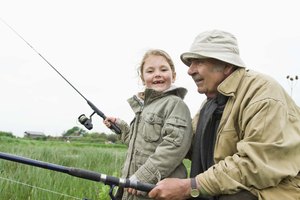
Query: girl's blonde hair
[(155, 52)]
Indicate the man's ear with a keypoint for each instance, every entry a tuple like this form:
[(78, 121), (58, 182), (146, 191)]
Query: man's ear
[(228, 69)]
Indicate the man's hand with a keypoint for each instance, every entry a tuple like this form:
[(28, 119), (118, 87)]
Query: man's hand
[(171, 189)]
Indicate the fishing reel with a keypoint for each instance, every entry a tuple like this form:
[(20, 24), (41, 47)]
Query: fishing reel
[(85, 121)]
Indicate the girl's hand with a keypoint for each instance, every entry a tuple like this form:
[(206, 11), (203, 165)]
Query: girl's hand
[(109, 120)]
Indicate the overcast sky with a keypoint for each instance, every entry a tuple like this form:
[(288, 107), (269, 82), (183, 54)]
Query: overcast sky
[(97, 45)]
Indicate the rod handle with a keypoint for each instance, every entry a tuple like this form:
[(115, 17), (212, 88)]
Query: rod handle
[(101, 114)]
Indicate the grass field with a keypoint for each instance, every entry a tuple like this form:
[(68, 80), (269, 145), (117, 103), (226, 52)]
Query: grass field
[(23, 182), (20, 182)]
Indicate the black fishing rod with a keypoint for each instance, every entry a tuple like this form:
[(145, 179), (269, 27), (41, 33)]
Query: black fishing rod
[(81, 173), (87, 122)]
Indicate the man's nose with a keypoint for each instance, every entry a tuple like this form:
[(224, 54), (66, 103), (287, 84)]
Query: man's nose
[(192, 69)]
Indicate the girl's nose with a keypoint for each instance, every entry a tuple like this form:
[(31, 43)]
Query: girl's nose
[(157, 74)]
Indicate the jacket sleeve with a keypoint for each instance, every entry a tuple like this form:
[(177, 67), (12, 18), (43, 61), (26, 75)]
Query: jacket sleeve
[(268, 151), (125, 129), (176, 140)]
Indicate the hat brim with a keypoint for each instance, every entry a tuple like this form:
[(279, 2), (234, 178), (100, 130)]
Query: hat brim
[(187, 58)]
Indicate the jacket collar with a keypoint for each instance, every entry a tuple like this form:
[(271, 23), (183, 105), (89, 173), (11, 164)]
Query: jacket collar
[(229, 86), (150, 95)]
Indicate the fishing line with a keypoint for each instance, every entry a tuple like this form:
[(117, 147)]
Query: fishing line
[(87, 122), (42, 57), (39, 188)]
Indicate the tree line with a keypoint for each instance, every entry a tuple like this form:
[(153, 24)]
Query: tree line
[(74, 134)]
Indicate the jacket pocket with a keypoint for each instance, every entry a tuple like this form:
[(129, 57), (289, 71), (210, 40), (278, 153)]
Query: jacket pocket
[(152, 127), (174, 130), (226, 144)]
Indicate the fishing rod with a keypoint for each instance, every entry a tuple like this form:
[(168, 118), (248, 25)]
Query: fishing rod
[(81, 173), (87, 122)]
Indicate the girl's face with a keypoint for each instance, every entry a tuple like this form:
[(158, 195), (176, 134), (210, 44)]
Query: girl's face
[(157, 73)]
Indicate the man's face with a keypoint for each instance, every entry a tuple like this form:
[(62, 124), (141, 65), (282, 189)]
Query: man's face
[(207, 74)]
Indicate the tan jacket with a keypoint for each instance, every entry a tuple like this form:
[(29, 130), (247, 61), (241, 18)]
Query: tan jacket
[(258, 140), (159, 137)]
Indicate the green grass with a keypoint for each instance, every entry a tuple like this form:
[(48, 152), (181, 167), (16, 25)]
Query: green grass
[(20, 181), (24, 182)]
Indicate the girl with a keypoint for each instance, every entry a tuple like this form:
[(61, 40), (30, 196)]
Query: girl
[(159, 136)]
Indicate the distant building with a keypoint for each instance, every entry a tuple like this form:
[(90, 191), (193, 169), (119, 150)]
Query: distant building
[(34, 134), (71, 137)]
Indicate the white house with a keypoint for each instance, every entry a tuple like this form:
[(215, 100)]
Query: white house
[(34, 134)]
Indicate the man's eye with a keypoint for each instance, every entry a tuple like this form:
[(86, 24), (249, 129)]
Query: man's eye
[(201, 61)]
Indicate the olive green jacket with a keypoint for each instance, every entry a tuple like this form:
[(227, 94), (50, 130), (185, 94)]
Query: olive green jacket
[(159, 137), (258, 140)]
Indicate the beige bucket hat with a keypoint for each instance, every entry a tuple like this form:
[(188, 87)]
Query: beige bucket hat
[(216, 44)]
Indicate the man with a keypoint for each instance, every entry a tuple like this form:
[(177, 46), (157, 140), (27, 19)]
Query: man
[(247, 133)]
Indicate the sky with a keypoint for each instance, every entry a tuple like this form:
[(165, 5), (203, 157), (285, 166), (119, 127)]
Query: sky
[(97, 46)]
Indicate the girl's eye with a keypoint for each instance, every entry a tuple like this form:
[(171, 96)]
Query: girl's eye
[(164, 69)]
